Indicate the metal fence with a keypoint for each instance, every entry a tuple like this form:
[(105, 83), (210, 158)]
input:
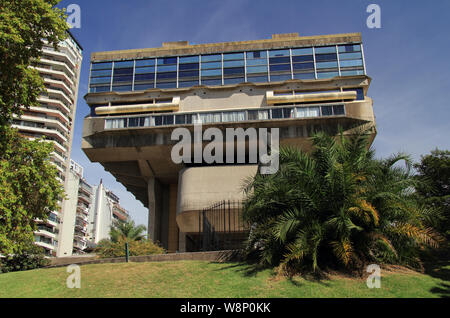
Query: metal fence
[(220, 227)]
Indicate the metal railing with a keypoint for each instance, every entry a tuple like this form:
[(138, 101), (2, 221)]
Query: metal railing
[(221, 227)]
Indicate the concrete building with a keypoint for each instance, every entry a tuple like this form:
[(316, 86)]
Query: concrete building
[(104, 210), (54, 119), (299, 84), (74, 219)]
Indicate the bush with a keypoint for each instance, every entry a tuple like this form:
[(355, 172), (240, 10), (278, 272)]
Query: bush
[(31, 258), (107, 248)]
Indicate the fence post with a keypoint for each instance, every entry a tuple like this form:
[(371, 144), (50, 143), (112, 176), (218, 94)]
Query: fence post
[(127, 253)]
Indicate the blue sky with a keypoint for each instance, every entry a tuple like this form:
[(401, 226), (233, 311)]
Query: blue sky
[(407, 59)]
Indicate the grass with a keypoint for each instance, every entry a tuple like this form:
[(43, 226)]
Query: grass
[(192, 279)]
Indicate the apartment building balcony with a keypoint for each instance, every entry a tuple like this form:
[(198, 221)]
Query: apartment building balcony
[(55, 101), (54, 91), (49, 247), (45, 233), (48, 69), (41, 118), (63, 55), (59, 66), (47, 131), (53, 112), (54, 82), (83, 210)]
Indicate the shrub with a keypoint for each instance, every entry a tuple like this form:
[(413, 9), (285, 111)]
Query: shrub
[(107, 248), (31, 258)]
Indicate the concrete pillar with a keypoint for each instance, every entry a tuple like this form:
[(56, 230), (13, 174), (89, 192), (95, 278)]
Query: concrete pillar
[(154, 210), (173, 227)]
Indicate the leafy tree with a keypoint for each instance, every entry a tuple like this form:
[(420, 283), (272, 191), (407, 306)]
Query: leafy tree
[(434, 174), (29, 189), (31, 257), (336, 206), (24, 25), (127, 231)]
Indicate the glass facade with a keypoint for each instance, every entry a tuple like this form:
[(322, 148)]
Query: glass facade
[(284, 112), (227, 68)]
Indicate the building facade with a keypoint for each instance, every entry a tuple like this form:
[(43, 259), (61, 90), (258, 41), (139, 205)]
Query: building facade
[(300, 85), (104, 210), (73, 236), (54, 119)]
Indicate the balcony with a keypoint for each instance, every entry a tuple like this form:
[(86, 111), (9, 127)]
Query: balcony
[(229, 116)]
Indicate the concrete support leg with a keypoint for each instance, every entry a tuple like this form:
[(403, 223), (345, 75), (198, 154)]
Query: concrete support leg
[(154, 210), (173, 227)]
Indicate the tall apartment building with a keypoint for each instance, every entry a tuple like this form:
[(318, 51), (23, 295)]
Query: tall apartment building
[(104, 210), (54, 119), (73, 237), (299, 84)]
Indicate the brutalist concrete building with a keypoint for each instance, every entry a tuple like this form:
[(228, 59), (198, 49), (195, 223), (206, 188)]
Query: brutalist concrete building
[(299, 84)]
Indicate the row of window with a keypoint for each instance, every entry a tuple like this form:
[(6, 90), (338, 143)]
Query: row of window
[(227, 68), (226, 116)]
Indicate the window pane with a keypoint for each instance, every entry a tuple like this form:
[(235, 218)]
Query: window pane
[(279, 60), (256, 54), (121, 88), (211, 65), (350, 63), (167, 60), (189, 74), (303, 51), (101, 66), (233, 56), (123, 71), (257, 62), (189, 59), (101, 80), (325, 49), (166, 75), (234, 70), (326, 65), (326, 57), (124, 64), (210, 58), (101, 73), (303, 58), (145, 77), (350, 56), (284, 77), (279, 53), (256, 69), (212, 73), (187, 83), (257, 79), (327, 111), (167, 68), (143, 70), (233, 63), (189, 66), (350, 48), (303, 66), (141, 87), (338, 110), (213, 82), (235, 80), (327, 74), (150, 62), (304, 76), (280, 67)]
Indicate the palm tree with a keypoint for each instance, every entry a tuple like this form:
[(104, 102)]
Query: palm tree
[(127, 231), (335, 206)]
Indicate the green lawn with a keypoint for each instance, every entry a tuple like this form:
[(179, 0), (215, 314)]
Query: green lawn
[(202, 279)]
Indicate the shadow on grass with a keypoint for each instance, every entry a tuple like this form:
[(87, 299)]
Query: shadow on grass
[(439, 267)]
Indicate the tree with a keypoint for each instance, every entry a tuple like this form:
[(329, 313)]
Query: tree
[(24, 25), (335, 207), (29, 189), (28, 185), (127, 231), (434, 174)]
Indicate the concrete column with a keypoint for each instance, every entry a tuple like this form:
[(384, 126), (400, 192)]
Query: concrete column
[(173, 227), (154, 210)]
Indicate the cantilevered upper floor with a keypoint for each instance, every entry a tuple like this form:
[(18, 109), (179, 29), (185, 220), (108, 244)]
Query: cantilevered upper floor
[(300, 84)]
